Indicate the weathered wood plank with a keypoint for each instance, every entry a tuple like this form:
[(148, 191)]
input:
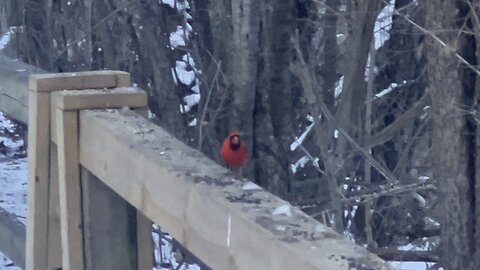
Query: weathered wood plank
[(109, 223), (54, 235), (117, 239), (12, 237), (69, 190), (14, 108), (198, 202), (38, 180), (144, 225), (101, 99), (79, 80), (53, 120), (144, 242), (14, 87)]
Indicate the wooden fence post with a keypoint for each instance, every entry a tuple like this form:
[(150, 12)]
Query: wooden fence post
[(108, 212), (109, 223), (107, 215), (69, 190), (144, 226), (55, 184), (38, 179), (54, 256)]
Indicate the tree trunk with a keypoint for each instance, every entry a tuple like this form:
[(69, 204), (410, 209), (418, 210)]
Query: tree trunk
[(452, 88), (274, 107), (246, 26), (155, 56), (330, 53), (38, 38)]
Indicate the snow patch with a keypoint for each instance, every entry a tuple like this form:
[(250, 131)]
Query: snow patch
[(383, 24), (5, 39), (300, 163), (283, 210), (190, 101), (421, 200), (13, 172), (187, 58), (423, 178), (251, 186), (177, 38), (193, 122), (339, 87), (184, 75), (13, 186), (299, 140), (389, 89), (196, 88), (171, 3), (6, 263)]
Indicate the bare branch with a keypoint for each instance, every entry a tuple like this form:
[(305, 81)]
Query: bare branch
[(448, 48), (393, 254), (301, 70), (387, 133)]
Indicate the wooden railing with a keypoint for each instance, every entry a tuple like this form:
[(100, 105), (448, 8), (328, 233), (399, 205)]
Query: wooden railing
[(100, 173)]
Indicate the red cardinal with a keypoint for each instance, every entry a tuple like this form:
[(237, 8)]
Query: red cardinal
[(233, 150)]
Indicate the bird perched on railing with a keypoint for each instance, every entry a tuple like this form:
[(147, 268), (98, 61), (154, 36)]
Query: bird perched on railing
[(234, 151)]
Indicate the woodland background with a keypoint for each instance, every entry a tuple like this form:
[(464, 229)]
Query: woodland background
[(361, 112)]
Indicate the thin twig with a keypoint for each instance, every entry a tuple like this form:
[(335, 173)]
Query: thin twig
[(312, 158), (205, 107), (305, 75), (84, 36), (393, 191)]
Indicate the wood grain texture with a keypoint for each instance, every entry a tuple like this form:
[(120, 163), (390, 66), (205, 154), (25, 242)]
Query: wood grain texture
[(54, 234), (38, 180), (14, 87), (69, 190), (101, 98), (199, 203), (79, 80), (109, 224)]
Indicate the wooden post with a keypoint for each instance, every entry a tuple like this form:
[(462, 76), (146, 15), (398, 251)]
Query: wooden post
[(106, 228), (144, 241), (69, 190), (109, 223), (144, 226), (54, 237), (43, 249), (38, 180)]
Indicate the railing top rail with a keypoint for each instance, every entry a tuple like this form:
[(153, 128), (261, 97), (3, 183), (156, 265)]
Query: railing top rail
[(228, 223), (14, 76)]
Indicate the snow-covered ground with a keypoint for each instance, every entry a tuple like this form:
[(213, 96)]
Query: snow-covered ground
[(13, 170), (6, 263), (13, 186), (13, 178)]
